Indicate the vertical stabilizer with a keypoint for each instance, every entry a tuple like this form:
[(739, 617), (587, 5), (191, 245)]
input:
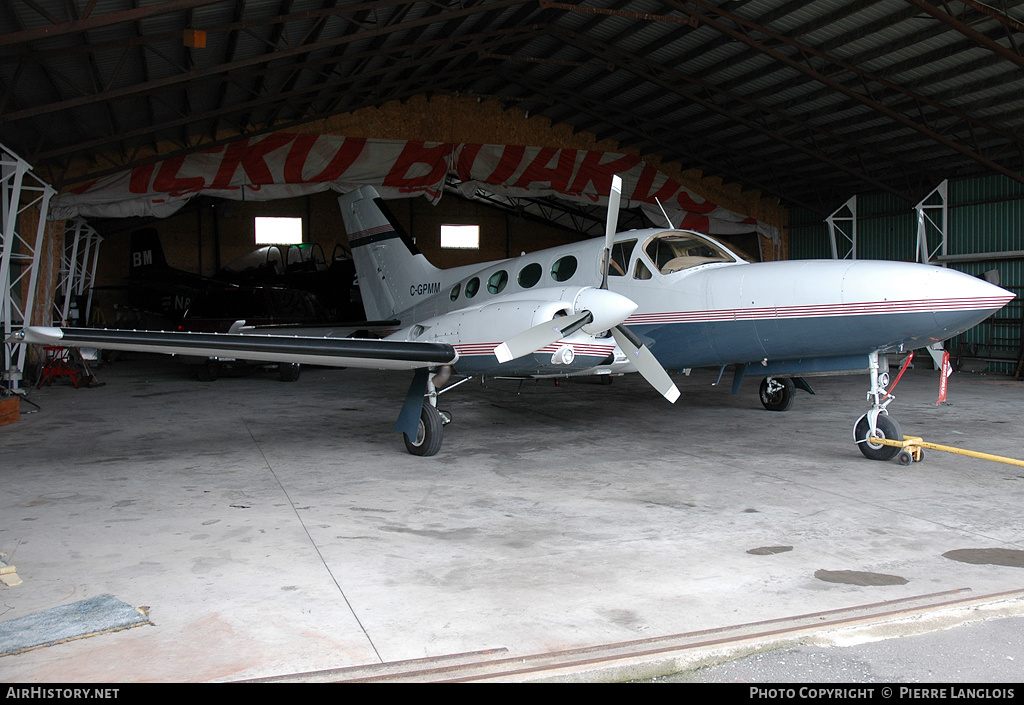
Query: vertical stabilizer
[(146, 252), (393, 275)]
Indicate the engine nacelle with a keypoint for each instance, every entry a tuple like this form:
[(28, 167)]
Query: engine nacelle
[(475, 332), (490, 323)]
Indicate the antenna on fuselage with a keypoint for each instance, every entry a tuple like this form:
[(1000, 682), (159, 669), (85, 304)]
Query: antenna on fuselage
[(667, 219)]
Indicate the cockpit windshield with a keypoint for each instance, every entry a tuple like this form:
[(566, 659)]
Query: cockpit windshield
[(675, 251)]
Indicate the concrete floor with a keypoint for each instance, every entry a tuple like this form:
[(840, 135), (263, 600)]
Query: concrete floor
[(273, 528)]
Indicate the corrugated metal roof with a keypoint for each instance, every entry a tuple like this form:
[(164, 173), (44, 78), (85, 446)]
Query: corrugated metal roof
[(811, 102)]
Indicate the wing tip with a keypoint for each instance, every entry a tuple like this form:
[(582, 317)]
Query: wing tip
[(39, 335)]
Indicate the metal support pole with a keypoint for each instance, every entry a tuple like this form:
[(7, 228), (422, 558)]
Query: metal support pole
[(92, 276), (69, 265)]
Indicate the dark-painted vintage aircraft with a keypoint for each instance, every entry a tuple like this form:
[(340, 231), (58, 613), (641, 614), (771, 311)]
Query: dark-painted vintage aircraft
[(154, 287), (641, 301)]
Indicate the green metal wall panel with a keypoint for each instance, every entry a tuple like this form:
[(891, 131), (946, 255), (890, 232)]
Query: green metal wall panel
[(985, 215)]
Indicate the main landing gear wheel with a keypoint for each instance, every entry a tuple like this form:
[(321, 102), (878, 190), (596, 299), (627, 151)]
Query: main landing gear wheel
[(289, 371), (208, 372), (885, 428), (777, 393), (428, 434)]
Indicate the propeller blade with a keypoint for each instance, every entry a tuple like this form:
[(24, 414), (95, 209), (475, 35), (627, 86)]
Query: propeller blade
[(533, 339), (611, 222), (645, 362)]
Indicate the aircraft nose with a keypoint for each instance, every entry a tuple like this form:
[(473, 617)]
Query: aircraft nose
[(951, 300), (958, 289), (964, 301), (608, 308)]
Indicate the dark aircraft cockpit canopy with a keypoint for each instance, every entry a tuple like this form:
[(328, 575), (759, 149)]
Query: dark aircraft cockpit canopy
[(276, 259)]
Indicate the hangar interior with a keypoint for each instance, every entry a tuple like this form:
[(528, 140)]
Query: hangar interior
[(276, 529)]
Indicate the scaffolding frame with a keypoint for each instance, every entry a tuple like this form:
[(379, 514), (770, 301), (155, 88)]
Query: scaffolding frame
[(846, 227), (20, 190), (77, 270), (927, 214)]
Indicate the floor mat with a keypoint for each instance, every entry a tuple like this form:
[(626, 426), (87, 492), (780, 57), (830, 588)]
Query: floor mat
[(97, 615)]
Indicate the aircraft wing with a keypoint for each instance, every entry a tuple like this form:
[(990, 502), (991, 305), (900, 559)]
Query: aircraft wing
[(330, 352)]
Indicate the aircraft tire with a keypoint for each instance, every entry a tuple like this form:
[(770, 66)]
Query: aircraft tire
[(289, 371), (207, 372), (429, 435), (887, 428), (779, 400)]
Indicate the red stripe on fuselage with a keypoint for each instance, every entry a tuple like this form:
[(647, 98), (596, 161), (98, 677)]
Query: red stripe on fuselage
[(471, 349), (864, 308)]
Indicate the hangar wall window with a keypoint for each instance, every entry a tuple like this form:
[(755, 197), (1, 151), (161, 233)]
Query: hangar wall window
[(278, 231), (460, 237)]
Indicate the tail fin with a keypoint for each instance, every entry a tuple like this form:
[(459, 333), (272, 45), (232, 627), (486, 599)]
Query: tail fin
[(146, 252), (393, 275)]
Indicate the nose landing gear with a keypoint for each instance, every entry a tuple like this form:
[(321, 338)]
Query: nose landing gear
[(876, 424), (884, 427)]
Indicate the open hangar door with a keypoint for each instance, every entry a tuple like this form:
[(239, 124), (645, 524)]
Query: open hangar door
[(262, 544)]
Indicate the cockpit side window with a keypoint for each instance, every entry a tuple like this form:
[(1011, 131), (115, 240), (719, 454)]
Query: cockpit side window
[(641, 271), (674, 252), (621, 252)]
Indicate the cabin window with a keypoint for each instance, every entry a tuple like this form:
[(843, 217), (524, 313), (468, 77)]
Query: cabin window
[(563, 268), (621, 252), (530, 275), (674, 252), (455, 292), (460, 237), (472, 286), (497, 282), (278, 231), (641, 271)]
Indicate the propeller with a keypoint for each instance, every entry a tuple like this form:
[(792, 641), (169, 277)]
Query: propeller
[(599, 310), (533, 339), (605, 310), (642, 358), (645, 363), (611, 221)]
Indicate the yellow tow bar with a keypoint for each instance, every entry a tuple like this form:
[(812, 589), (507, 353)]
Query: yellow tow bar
[(913, 450)]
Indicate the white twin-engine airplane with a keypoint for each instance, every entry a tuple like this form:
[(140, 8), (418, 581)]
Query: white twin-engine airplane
[(665, 300)]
